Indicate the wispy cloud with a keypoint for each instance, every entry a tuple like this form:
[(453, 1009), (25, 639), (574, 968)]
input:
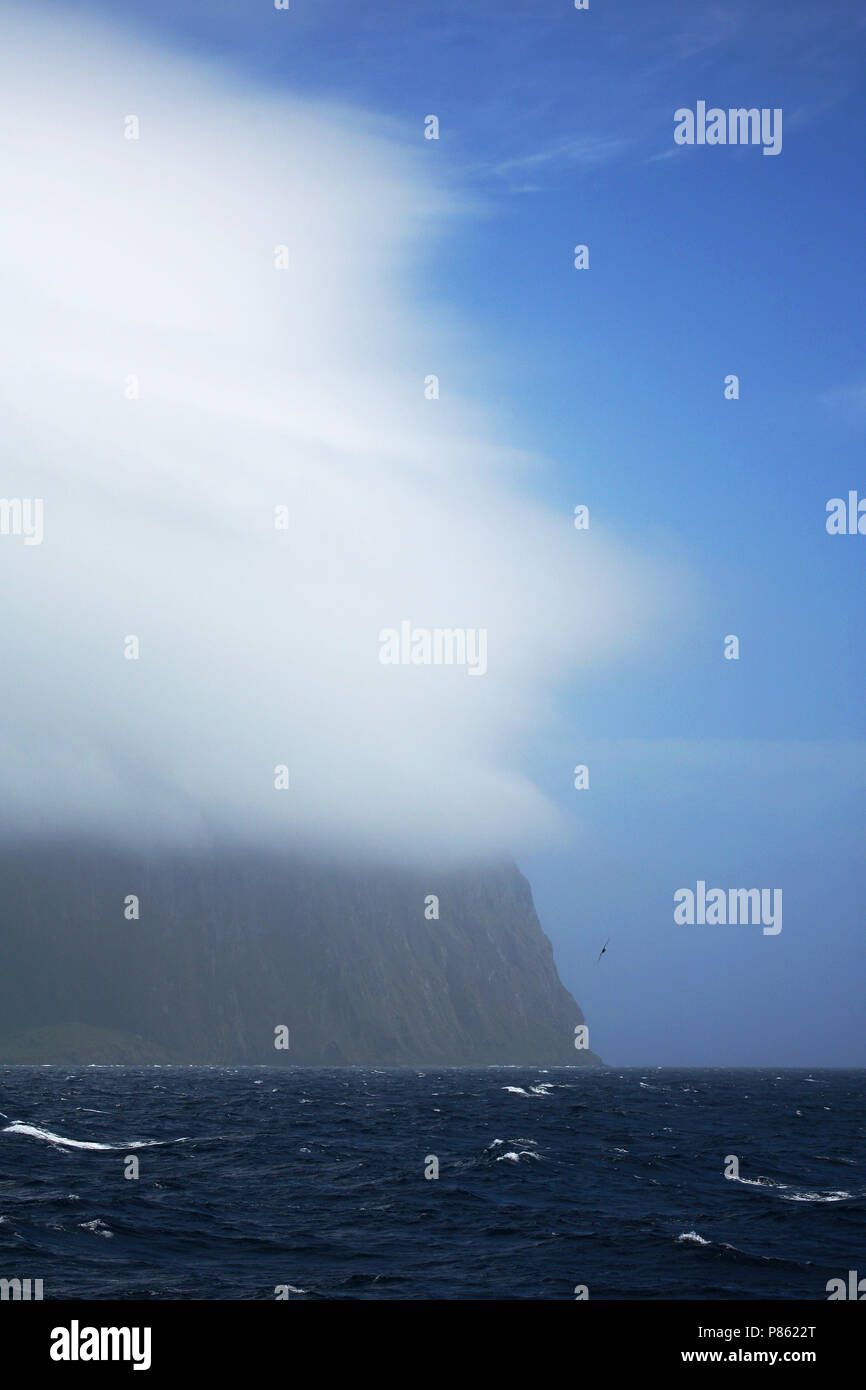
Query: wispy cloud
[(584, 152)]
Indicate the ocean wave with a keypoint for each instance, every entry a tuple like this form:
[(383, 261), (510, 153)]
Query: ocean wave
[(514, 1157), (34, 1133), (791, 1194), (725, 1250), (98, 1228), (815, 1196)]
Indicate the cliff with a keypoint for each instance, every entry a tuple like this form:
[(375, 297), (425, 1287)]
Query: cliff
[(230, 946)]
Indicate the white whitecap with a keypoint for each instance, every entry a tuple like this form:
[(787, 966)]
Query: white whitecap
[(34, 1133), (815, 1196), (98, 1228)]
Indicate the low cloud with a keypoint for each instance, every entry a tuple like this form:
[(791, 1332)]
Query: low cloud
[(153, 259)]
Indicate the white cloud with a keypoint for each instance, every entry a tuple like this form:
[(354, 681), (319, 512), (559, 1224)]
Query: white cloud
[(259, 387)]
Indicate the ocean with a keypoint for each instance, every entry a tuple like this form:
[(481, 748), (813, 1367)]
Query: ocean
[(257, 1183)]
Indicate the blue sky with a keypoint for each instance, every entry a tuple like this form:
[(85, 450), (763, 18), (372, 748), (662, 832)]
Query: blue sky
[(556, 128)]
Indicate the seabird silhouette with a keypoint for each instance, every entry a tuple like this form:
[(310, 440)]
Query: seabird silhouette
[(602, 951)]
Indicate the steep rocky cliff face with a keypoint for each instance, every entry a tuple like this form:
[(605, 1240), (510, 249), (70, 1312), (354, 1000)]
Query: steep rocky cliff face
[(231, 946)]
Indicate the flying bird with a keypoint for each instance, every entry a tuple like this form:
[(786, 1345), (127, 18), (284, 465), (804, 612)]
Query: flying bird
[(602, 951)]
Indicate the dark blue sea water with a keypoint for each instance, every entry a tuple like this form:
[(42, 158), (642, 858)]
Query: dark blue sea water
[(252, 1178)]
